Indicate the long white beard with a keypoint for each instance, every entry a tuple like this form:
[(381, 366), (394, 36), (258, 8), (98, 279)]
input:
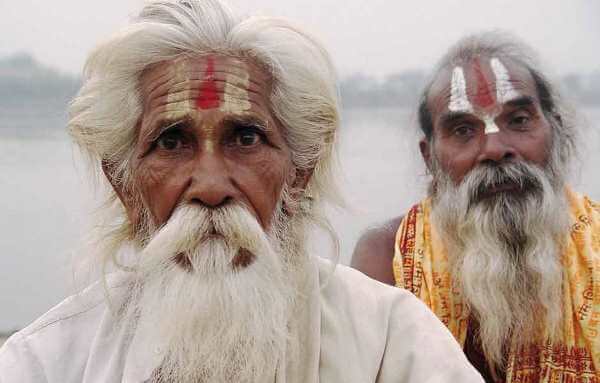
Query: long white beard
[(504, 252), (219, 322)]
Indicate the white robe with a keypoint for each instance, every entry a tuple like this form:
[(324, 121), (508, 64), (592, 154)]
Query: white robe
[(353, 330)]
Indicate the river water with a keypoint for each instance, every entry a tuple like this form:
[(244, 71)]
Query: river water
[(46, 198)]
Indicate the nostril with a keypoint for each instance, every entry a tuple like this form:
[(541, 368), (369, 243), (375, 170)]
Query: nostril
[(211, 204), (197, 201), (226, 201)]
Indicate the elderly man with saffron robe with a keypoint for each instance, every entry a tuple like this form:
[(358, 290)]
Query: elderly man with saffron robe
[(216, 134), (502, 250)]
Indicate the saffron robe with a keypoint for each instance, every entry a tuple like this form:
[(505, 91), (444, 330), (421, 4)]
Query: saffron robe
[(421, 266)]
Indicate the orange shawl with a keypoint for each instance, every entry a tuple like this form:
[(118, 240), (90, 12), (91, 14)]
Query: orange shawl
[(421, 266)]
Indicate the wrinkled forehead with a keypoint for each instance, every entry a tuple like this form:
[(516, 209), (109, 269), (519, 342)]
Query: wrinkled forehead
[(480, 84), (219, 71)]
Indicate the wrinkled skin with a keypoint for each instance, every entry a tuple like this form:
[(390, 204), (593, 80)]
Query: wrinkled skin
[(473, 124), (460, 142), (208, 136)]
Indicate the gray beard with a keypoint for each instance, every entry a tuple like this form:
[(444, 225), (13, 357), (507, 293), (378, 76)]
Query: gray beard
[(504, 252)]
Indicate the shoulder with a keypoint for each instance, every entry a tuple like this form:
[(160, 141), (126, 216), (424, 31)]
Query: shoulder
[(344, 288), (78, 307), (349, 281), (374, 251), (390, 328), (65, 331), (380, 237)]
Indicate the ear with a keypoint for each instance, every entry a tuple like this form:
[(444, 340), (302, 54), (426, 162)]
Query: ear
[(425, 148), (301, 179), (107, 169), (133, 209), (558, 118), (297, 183)]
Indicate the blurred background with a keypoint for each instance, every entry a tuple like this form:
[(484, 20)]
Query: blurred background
[(382, 49)]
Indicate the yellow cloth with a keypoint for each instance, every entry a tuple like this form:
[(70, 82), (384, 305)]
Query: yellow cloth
[(421, 266)]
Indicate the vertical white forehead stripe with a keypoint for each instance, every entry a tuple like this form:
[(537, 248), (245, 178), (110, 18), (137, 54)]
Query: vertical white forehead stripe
[(236, 98), (179, 102), (459, 102), (490, 125), (504, 88)]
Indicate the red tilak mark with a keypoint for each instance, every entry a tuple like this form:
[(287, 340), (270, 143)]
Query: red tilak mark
[(484, 97), (209, 97)]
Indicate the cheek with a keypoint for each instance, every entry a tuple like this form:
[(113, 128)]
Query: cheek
[(262, 181), (536, 147), (456, 163), (275, 176), (160, 186)]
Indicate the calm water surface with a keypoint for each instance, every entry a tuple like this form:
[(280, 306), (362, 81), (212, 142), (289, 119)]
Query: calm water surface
[(46, 198)]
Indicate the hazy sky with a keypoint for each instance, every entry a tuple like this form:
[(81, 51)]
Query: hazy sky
[(372, 36)]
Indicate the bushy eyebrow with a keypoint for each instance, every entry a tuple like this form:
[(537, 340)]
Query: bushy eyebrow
[(248, 120), (520, 102), (452, 117), (164, 125)]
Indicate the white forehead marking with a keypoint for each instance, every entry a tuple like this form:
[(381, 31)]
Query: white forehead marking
[(490, 125), (504, 88), (179, 102), (235, 95), (459, 102)]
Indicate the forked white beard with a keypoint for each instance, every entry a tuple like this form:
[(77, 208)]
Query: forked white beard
[(504, 254), (219, 323)]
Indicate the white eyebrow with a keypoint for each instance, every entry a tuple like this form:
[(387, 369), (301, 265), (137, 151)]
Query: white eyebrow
[(459, 102)]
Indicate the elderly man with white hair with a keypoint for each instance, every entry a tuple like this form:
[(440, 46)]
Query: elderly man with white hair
[(502, 249), (217, 136)]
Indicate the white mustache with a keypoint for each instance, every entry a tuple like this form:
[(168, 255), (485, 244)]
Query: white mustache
[(194, 229), (220, 323)]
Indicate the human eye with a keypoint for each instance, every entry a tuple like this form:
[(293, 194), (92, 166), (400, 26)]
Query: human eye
[(519, 120), (171, 139), (248, 135), (463, 131)]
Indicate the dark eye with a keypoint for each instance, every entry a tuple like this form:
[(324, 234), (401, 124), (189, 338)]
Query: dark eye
[(247, 136), (519, 120), (464, 131), (170, 140)]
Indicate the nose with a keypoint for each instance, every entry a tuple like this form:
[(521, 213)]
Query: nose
[(211, 184), (495, 149)]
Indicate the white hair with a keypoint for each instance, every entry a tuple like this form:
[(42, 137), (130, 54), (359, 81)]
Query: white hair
[(217, 323), (105, 113), (503, 45), (505, 252)]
